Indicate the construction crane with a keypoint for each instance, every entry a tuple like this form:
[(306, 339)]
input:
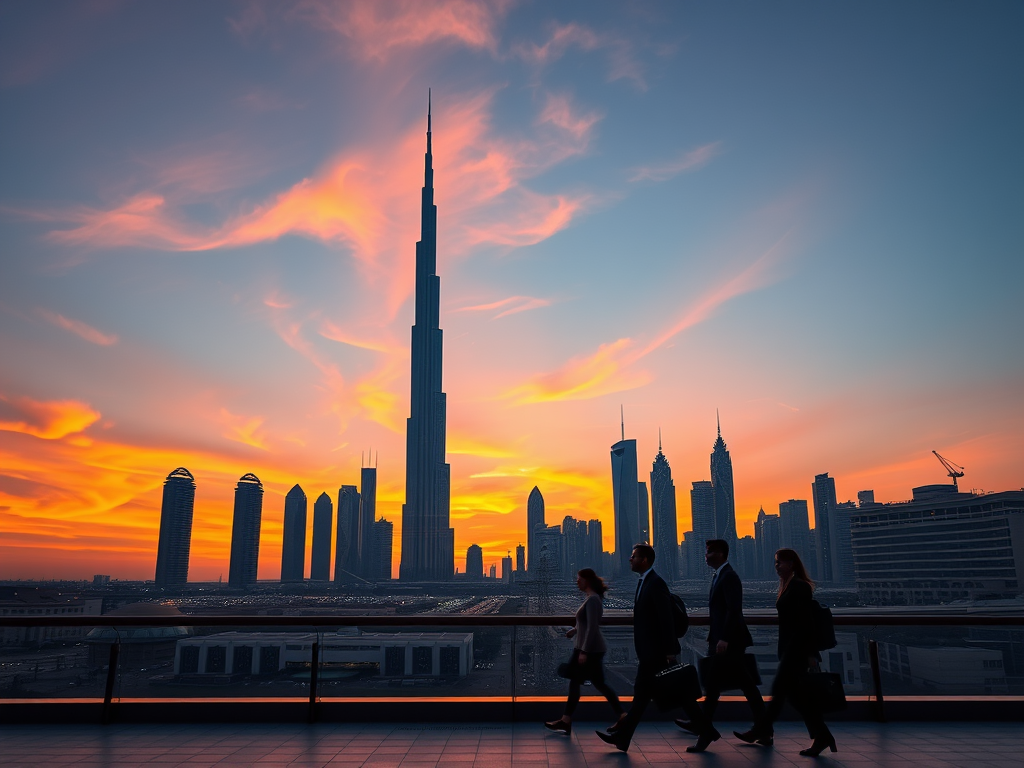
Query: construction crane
[(954, 470)]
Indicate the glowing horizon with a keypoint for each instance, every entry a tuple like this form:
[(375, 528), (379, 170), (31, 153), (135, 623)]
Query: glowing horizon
[(208, 260)]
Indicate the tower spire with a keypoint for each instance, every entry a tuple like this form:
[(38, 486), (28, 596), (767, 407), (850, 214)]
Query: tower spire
[(719, 420), (659, 439), (622, 417)]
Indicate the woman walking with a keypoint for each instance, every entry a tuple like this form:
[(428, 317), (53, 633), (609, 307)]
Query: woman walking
[(796, 654), (588, 650)]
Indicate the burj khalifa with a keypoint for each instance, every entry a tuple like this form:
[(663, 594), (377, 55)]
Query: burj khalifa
[(428, 543)]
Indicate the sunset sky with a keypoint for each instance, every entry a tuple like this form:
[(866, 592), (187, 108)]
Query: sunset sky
[(809, 216)]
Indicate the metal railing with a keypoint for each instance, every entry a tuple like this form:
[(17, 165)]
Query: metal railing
[(869, 622)]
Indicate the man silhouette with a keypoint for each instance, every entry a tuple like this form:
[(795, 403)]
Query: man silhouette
[(728, 638), (654, 640)]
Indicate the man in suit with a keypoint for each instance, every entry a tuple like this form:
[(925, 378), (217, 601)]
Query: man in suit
[(654, 640), (728, 639)]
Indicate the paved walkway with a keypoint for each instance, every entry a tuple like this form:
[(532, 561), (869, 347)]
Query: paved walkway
[(494, 745)]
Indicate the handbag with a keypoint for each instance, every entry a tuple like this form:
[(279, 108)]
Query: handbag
[(569, 669), (724, 671), (824, 691), (675, 686)]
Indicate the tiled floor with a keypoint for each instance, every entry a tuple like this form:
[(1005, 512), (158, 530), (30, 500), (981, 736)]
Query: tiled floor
[(496, 745)]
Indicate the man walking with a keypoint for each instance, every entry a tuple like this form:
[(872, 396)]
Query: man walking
[(728, 638), (656, 646)]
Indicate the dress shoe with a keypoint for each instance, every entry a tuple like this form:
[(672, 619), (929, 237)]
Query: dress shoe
[(704, 740), (819, 746), (613, 739), (754, 736), (559, 725), (617, 726), (689, 726)]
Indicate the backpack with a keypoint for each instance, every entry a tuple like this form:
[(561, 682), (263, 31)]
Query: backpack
[(680, 621), (824, 629)]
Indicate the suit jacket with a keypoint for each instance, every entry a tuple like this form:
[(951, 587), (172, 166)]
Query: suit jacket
[(654, 636), (796, 621), (725, 607)]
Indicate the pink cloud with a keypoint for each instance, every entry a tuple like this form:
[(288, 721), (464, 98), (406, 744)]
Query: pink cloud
[(77, 327), (559, 112), (622, 64), (688, 161), (509, 306), (375, 30)]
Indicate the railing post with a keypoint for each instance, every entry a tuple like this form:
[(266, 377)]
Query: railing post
[(514, 670), (878, 705), (314, 677), (108, 695)]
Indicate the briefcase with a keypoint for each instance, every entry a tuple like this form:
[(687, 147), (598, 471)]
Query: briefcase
[(724, 670), (824, 691), (676, 685)]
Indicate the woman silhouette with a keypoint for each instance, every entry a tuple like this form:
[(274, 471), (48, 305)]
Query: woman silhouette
[(796, 653), (588, 650)]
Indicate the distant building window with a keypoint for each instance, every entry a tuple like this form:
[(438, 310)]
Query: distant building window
[(422, 660), (242, 663), (270, 659), (394, 661), (216, 658), (189, 659), (450, 662)]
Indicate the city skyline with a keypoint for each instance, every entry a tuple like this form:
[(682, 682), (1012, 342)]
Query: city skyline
[(677, 209)]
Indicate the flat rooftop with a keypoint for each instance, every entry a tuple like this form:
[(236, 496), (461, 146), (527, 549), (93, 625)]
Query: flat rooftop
[(495, 745)]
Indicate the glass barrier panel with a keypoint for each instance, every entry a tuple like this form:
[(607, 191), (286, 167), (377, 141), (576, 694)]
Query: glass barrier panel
[(215, 662), (53, 662)]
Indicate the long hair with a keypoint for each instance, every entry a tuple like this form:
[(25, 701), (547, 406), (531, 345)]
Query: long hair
[(593, 581), (799, 571)]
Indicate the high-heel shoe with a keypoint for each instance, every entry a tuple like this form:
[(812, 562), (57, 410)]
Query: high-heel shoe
[(559, 726), (819, 746)]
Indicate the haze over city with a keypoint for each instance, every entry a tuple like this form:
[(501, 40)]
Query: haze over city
[(804, 218)]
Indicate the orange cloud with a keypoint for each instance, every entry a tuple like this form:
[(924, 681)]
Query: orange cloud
[(688, 161), (608, 369), (582, 377), (362, 200), (77, 327), (49, 420), (243, 429)]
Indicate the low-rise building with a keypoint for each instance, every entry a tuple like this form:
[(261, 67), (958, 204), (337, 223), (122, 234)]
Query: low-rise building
[(399, 654)]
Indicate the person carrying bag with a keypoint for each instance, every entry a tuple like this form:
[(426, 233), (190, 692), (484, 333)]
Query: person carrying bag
[(589, 648)]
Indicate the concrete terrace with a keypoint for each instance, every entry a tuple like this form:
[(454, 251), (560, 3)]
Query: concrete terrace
[(495, 745)]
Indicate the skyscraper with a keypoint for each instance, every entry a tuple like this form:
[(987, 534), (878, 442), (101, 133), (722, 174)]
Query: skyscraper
[(663, 515), (346, 554), (595, 540), (725, 497), (506, 568), (369, 568), (293, 545), (796, 531), (175, 529), (245, 532), (643, 512), (842, 543), (768, 540), (625, 499), (320, 560), (702, 507), (474, 563), (823, 492), (534, 518), (428, 543), (383, 544)]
